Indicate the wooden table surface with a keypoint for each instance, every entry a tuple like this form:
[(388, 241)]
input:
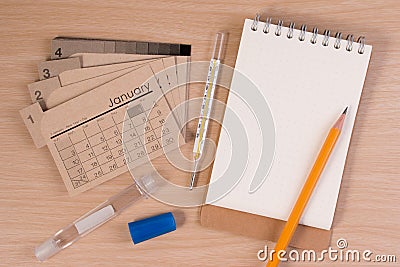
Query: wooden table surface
[(34, 203)]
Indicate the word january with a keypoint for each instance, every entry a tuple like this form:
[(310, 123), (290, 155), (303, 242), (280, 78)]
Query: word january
[(128, 96)]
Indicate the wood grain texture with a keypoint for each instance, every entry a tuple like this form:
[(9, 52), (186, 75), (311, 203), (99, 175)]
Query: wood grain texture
[(35, 204)]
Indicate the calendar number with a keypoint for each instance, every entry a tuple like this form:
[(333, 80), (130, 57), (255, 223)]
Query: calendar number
[(58, 52), (46, 73), (38, 95), (30, 118)]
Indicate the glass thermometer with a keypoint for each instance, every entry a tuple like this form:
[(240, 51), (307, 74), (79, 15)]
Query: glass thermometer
[(95, 218), (206, 104)]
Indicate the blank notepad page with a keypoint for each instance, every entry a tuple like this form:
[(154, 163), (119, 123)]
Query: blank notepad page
[(306, 86)]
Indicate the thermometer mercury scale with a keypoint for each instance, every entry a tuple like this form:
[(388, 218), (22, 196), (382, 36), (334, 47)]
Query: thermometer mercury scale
[(206, 104)]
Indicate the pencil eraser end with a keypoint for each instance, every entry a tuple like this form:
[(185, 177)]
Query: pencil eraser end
[(151, 227)]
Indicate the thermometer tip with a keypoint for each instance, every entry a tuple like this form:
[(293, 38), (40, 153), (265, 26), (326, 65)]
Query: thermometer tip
[(192, 181)]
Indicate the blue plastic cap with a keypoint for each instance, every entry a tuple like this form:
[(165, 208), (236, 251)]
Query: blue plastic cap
[(152, 227)]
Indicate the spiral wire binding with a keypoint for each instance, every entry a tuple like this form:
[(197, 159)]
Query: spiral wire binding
[(267, 24), (290, 31), (327, 34), (255, 23), (314, 36), (350, 41), (338, 39), (361, 41), (278, 30), (303, 30)]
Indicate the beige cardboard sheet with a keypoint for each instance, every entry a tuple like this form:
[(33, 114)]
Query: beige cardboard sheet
[(87, 144)]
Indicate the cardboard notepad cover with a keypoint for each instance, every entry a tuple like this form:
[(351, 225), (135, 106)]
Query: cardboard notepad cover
[(263, 228)]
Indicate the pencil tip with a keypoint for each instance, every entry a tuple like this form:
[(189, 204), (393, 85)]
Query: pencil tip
[(345, 110)]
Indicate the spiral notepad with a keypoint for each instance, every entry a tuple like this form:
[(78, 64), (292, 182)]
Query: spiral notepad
[(307, 79)]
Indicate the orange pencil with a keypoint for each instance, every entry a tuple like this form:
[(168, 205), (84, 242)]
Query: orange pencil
[(306, 192)]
